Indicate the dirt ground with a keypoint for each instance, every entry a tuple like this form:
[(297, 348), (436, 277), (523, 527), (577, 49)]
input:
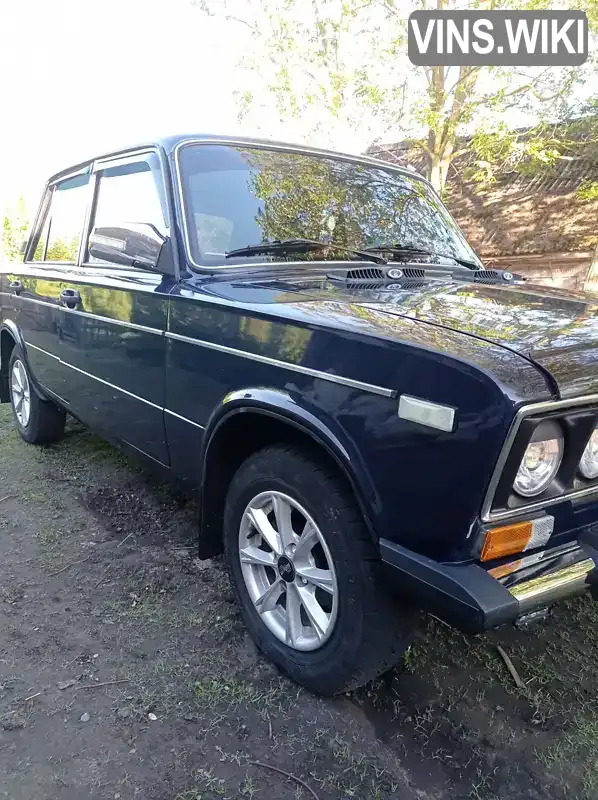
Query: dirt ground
[(125, 671)]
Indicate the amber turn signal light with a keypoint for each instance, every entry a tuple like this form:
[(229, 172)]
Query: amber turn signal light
[(516, 538)]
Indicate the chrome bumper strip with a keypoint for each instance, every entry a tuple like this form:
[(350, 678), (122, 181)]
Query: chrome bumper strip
[(553, 586)]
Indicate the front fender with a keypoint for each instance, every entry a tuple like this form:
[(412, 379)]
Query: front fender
[(323, 430)]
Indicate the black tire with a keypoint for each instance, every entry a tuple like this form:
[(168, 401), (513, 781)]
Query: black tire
[(46, 421), (372, 630)]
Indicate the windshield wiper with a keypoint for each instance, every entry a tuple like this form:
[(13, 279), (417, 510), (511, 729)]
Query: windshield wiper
[(406, 248), (302, 245)]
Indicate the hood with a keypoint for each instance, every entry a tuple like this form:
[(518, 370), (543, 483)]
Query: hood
[(556, 329)]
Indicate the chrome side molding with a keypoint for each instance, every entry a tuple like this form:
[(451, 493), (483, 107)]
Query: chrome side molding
[(351, 383)]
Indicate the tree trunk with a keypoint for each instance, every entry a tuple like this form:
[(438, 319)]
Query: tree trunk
[(439, 163), (591, 283)]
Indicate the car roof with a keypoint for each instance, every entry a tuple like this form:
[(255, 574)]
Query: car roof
[(169, 143)]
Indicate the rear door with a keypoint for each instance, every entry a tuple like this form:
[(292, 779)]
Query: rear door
[(50, 265), (112, 336)]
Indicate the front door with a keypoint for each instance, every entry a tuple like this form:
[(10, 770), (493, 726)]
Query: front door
[(111, 331)]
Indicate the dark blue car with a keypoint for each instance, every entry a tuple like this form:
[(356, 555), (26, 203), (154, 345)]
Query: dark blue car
[(377, 424)]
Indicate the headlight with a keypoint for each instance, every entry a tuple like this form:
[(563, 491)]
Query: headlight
[(588, 466), (540, 462)]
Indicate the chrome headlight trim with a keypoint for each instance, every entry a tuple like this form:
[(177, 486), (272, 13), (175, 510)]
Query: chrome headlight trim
[(588, 466), (533, 409)]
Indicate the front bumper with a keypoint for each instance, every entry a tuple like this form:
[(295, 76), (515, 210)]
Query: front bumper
[(474, 599)]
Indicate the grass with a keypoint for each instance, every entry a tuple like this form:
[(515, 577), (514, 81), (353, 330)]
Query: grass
[(454, 703), (220, 692), (357, 772), (578, 745), (48, 536), (451, 707)]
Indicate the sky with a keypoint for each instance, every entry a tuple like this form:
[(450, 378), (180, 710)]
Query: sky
[(78, 78)]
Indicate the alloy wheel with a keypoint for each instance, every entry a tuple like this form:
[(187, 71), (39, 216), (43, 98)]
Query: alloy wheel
[(288, 571), (21, 393)]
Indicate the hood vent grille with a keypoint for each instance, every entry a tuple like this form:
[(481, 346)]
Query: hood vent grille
[(414, 273), (365, 274), (493, 276), (364, 285), (413, 277)]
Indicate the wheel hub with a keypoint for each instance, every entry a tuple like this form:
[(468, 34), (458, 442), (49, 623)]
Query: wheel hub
[(288, 571)]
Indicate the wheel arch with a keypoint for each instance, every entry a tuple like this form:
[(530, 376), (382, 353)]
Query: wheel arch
[(10, 337), (250, 419)]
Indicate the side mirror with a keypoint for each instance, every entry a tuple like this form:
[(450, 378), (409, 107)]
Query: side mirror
[(23, 247), (130, 244)]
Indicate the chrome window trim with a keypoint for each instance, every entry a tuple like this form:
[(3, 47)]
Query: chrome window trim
[(314, 373), (524, 412), (284, 148)]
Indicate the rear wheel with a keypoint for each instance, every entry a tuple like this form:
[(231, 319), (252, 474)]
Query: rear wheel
[(306, 573), (38, 421)]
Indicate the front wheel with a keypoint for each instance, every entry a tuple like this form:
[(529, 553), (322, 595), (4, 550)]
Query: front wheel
[(306, 573), (38, 421)]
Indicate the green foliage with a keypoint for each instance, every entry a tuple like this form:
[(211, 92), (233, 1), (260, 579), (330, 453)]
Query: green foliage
[(61, 250), (14, 231), (358, 206), (340, 68), (503, 151), (588, 190), (536, 150)]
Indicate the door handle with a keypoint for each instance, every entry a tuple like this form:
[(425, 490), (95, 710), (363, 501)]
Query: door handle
[(16, 286), (70, 298)]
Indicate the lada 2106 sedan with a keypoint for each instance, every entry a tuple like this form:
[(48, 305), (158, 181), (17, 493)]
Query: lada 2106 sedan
[(309, 338)]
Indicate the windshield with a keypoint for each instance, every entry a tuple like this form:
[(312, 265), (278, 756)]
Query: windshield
[(238, 196)]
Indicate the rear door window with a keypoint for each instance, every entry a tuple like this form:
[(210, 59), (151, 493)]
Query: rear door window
[(63, 223)]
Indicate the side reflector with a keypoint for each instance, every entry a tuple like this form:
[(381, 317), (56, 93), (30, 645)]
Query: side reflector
[(516, 538), (432, 415)]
